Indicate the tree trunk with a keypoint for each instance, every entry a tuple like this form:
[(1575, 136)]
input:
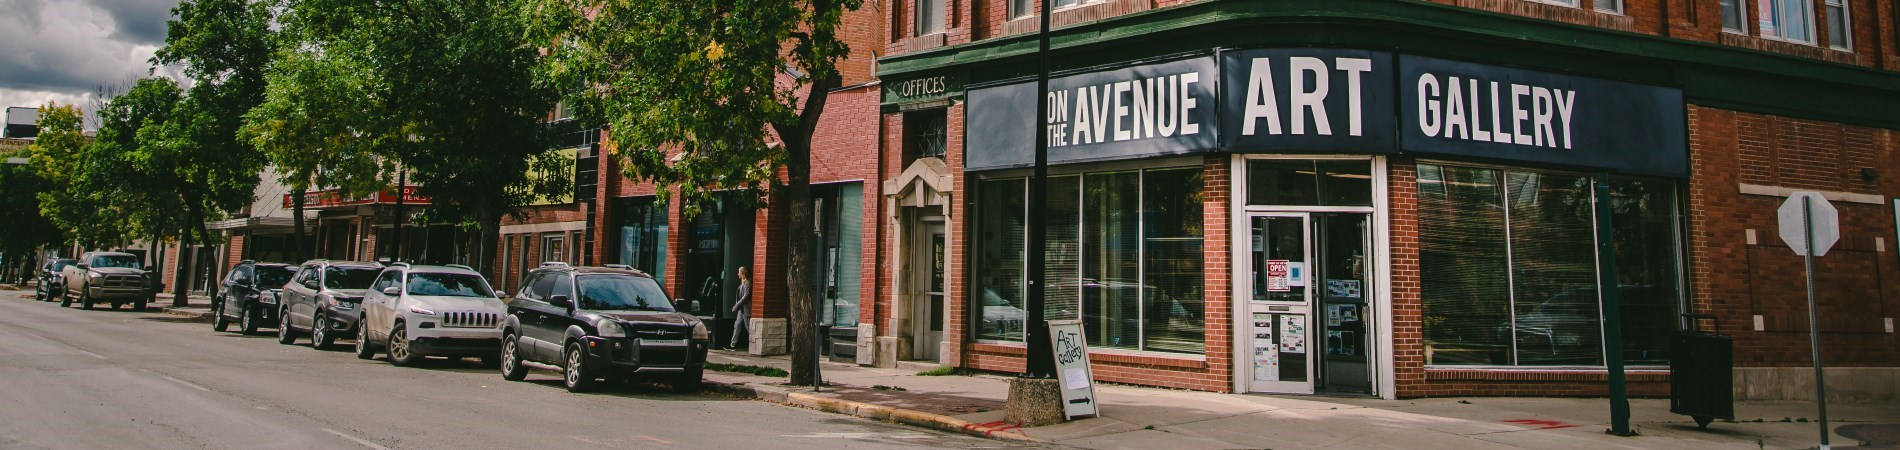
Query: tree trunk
[(297, 237), (798, 267), (486, 241)]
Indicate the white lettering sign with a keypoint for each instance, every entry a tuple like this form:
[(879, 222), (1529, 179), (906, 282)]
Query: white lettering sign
[(1263, 103), (1451, 107), (1129, 110)]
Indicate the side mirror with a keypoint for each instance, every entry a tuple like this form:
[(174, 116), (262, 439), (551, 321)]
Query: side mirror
[(312, 284), (149, 268), (561, 301), (392, 291), (83, 266)]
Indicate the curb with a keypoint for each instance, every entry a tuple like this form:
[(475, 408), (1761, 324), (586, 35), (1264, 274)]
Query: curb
[(939, 422), (189, 313)]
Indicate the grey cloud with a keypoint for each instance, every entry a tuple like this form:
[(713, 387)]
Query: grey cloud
[(70, 47)]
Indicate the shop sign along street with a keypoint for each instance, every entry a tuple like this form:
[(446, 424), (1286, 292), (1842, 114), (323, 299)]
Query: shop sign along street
[(1826, 223), (1072, 368)]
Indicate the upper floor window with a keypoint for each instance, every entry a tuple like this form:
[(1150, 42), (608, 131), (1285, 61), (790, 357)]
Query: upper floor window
[(1067, 3), (1610, 6), (929, 15), (925, 133), (1791, 20), (1733, 15), (1839, 35), (1021, 8)]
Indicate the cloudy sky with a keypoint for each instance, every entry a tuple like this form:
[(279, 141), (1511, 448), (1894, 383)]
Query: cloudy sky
[(63, 50)]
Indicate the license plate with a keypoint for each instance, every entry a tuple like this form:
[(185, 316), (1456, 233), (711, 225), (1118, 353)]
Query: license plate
[(663, 341)]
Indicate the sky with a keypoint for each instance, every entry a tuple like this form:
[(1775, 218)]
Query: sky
[(64, 50)]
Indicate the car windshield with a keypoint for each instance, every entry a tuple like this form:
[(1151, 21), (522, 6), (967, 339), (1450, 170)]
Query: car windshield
[(349, 277), (607, 292), (126, 261), (272, 277), (449, 285), (61, 264)]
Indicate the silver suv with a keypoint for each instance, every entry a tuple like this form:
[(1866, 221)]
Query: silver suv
[(111, 277), (415, 311)]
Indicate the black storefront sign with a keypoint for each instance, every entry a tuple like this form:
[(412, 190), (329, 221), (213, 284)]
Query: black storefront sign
[(1334, 101), (1133, 112), (1307, 100), (1464, 109)]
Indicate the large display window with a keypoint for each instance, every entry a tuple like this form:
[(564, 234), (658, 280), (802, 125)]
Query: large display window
[(1507, 259), (1124, 256)]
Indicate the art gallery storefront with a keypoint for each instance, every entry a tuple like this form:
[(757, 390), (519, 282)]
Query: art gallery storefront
[(1343, 221)]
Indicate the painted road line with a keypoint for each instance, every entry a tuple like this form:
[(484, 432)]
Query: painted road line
[(76, 349), (355, 439), (186, 383)]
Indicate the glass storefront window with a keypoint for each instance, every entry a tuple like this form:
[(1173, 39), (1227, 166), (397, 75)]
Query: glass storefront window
[(840, 211), (1507, 260), (643, 237), (1124, 256), (1309, 182)]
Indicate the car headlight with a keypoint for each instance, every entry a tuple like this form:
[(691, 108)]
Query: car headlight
[(421, 310), (610, 329), (94, 275), (700, 332)]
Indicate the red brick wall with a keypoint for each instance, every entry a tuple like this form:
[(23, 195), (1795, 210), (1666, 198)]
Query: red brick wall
[(1858, 281), (1874, 39)]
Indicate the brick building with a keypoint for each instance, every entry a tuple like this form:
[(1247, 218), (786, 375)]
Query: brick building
[(1393, 198)]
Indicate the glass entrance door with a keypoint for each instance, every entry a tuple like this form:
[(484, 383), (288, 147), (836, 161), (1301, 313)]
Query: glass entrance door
[(1275, 326), (1307, 321)]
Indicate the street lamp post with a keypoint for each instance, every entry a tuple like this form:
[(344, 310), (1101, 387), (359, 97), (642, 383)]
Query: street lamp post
[(1035, 398)]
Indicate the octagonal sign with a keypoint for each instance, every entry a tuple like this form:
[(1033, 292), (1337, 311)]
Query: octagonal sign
[(1826, 223)]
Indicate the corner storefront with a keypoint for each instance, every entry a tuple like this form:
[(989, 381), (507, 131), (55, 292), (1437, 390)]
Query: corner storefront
[(1324, 220)]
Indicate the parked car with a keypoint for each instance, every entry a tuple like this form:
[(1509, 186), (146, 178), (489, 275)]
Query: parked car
[(248, 295), (601, 322), (112, 277), (324, 299), (416, 311), (50, 283)]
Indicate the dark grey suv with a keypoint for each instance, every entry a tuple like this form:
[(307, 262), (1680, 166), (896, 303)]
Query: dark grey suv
[(601, 322), (323, 300)]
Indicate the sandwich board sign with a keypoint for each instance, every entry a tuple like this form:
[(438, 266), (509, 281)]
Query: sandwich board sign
[(1072, 368)]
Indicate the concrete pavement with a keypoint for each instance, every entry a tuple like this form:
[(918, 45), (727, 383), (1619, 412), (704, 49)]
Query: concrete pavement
[(1138, 417), (120, 379)]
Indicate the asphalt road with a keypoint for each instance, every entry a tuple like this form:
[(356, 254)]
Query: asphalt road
[(100, 379)]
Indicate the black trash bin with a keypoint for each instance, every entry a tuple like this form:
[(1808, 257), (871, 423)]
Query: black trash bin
[(1701, 373)]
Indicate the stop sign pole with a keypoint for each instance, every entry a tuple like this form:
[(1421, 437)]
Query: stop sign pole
[(1810, 241)]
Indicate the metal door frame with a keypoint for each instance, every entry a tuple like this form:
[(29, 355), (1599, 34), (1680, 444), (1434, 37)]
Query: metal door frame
[(1246, 307)]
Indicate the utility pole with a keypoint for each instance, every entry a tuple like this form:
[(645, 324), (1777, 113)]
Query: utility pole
[(1041, 362)]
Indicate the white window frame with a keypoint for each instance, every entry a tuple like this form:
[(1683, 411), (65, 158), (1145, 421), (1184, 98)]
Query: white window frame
[(1598, 7), (1019, 9), (1062, 5), (918, 26), (1741, 17), (1774, 8), (1828, 8)]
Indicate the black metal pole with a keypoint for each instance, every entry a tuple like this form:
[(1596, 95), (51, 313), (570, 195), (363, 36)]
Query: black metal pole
[(402, 185), (1042, 362), (1609, 288), (1814, 316)]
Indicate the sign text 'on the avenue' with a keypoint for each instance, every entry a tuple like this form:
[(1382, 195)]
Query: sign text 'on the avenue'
[(1147, 107)]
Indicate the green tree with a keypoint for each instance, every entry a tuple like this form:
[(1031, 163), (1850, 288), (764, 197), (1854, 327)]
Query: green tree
[(223, 46), (126, 175), (63, 156), (448, 94), (27, 230), (708, 96), (317, 131)]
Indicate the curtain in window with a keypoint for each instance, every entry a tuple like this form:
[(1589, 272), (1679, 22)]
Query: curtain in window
[(1462, 266), (999, 260)]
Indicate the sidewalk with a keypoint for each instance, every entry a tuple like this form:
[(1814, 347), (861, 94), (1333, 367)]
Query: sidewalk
[(1137, 417)]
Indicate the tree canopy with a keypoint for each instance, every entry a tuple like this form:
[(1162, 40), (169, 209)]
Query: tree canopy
[(707, 96)]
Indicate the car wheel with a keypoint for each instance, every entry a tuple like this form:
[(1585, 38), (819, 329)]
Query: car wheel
[(139, 305), (65, 301), (247, 320), (218, 322), (363, 348), (115, 305), (85, 299), (688, 382), (284, 334), (320, 337), (39, 293), (399, 352), (576, 376), (511, 367)]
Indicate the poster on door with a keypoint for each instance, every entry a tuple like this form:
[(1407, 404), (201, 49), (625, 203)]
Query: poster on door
[(1277, 276), (1292, 334), (1266, 357)]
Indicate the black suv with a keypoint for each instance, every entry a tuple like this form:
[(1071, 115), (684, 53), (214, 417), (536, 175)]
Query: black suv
[(248, 296), (608, 322), (324, 299), (51, 282)]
